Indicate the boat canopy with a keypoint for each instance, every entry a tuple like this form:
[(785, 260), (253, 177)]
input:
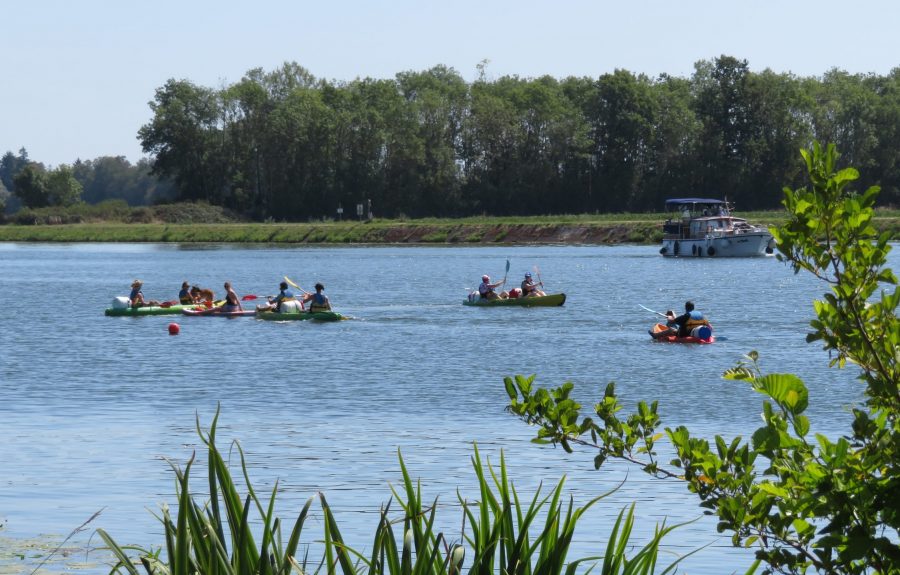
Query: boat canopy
[(676, 203)]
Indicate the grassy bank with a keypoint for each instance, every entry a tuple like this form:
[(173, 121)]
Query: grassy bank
[(582, 229)]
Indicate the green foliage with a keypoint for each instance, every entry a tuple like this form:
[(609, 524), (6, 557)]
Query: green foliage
[(30, 186), (288, 146), (62, 187), (232, 534), (803, 500)]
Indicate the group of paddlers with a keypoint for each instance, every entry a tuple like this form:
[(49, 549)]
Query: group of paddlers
[(284, 302), (528, 288)]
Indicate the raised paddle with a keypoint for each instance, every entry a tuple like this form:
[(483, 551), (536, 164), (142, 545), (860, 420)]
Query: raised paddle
[(537, 270), (288, 280), (653, 311), (506, 273)]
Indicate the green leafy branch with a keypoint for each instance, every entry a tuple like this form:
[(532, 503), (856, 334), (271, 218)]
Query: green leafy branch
[(802, 500)]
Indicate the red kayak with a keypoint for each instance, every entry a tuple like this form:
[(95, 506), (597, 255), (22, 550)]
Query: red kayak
[(216, 312), (661, 327)]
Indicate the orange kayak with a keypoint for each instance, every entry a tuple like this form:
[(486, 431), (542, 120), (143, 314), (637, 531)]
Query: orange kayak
[(658, 329)]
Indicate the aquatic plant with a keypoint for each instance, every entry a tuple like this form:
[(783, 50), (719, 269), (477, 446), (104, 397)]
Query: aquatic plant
[(501, 532)]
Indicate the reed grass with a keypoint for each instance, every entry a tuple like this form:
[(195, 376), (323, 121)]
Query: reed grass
[(502, 533)]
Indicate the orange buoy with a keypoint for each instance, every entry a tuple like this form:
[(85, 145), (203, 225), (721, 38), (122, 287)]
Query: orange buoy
[(174, 328)]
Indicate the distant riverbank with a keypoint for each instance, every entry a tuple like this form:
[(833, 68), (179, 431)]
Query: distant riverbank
[(603, 230)]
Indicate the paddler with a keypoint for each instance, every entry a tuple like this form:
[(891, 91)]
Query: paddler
[(283, 302), (529, 288), (683, 325), (184, 296), (318, 301), (137, 296), (486, 289), (232, 301)]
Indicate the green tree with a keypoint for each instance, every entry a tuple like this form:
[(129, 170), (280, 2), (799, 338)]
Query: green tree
[(62, 187), (184, 136), (777, 125), (437, 99), (672, 168), (10, 166), (722, 107), (623, 124), (30, 186), (803, 500)]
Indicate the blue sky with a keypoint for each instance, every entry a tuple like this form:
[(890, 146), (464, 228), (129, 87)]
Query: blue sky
[(77, 75)]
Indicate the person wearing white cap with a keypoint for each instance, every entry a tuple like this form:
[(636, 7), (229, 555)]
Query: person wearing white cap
[(486, 289)]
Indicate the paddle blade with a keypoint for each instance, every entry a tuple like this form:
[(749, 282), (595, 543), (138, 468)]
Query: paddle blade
[(507, 266), (249, 297), (292, 284)]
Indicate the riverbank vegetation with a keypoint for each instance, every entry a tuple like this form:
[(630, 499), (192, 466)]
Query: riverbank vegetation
[(226, 532), (291, 147), (804, 501), (114, 221)]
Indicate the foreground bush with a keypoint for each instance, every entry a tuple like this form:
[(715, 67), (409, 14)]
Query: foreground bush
[(804, 501), (502, 534)]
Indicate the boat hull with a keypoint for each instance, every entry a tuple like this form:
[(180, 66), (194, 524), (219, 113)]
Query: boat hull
[(149, 310), (704, 227), (734, 246), (552, 300), (658, 328), (301, 316), (214, 312)]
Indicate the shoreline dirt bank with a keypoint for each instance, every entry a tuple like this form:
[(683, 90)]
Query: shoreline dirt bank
[(344, 233)]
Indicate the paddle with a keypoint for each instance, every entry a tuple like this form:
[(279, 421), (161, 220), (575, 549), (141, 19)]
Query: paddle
[(506, 273), (249, 297), (288, 280), (537, 270), (653, 311)]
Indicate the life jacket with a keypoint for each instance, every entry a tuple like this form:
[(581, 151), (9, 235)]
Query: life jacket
[(282, 297), (184, 296), (696, 320), (318, 303), (484, 289), (135, 292)]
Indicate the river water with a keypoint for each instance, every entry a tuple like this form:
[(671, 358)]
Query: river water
[(90, 404)]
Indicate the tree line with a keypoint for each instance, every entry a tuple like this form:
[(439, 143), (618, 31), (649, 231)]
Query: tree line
[(288, 146), (24, 182)]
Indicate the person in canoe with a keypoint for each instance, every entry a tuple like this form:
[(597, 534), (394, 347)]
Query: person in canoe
[(136, 297), (184, 296), (531, 289), (683, 325), (232, 301), (284, 302), (486, 289), (318, 301)]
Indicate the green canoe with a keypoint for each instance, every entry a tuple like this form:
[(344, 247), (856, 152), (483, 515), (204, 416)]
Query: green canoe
[(150, 310), (301, 315), (552, 300)]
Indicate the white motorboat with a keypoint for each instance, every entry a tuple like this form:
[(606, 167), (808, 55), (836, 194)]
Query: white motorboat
[(701, 227)]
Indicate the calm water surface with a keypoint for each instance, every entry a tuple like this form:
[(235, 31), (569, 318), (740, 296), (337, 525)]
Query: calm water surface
[(89, 404)]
